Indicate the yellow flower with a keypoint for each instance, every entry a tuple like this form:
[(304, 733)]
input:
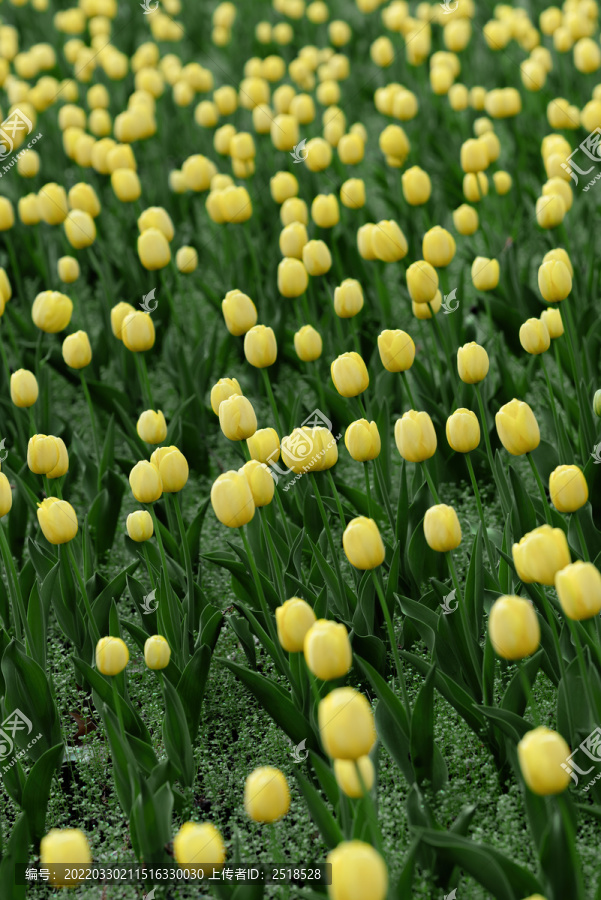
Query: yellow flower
[(119, 313), (317, 258), (232, 499), (559, 255), (472, 363), (64, 846), (77, 351), (151, 426), (550, 211), (239, 312), (553, 321), (534, 336), (264, 445), (24, 388), (173, 468), (284, 132), (327, 650), (568, 488), (266, 795), (199, 841), (324, 210), (157, 653), (80, 229), (282, 186), (224, 389), (292, 277), (126, 185), (112, 655), (309, 449), (422, 281), (308, 343), (346, 724), (438, 247), (517, 428), (441, 528), (237, 418), (396, 349), (352, 193), (415, 436), (140, 526), (417, 186), (540, 554), (153, 249), (358, 870), (260, 347), (541, 753), (348, 298), (349, 374), (68, 269), (6, 495), (345, 771), (42, 453), (502, 182), (51, 311), (186, 260), (485, 273), (260, 481), (293, 618), (388, 243), (53, 204), (145, 482), (475, 186), (554, 281), (578, 587), (293, 238), (62, 466), (465, 219), (362, 440), (363, 545), (58, 520), (137, 331), (513, 627), (463, 431)]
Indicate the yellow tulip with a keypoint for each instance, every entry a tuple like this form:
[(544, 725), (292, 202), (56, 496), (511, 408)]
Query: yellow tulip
[(186, 260), (327, 650), (221, 391), (352, 193), (6, 495), (266, 795), (237, 418), (80, 229), (362, 440), (346, 724), (345, 771), (77, 351), (283, 185), (541, 753), (438, 247), (559, 255), (62, 466), (422, 281), (42, 453), (317, 258), (293, 277), (173, 468), (534, 336), (151, 426), (309, 449), (145, 482), (293, 238), (51, 311), (568, 488), (349, 374), (578, 587), (415, 436), (294, 618), (24, 388), (416, 185), (517, 428), (53, 204), (119, 313), (465, 219), (553, 321), (554, 281), (388, 243), (64, 847), (502, 182), (540, 554), (137, 331), (441, 528), (157, 653), (260, 481), (324, 210), (348, 298), (513, 627), (260, 347), (140, 526), (126, 185), (264, 445), (485, 273), (308, 343), (239, 312), (396, 349), (232, 500), (199, 841), (153, 249), (463, 431), (362, 543), (112, 655), (550, 211), (68, 269), (358, 870), (472, 363)]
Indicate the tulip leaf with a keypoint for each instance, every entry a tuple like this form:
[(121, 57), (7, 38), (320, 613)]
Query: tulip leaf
[(192, 684), (359, 501), (474, 588), (321, 815), (326, 777), (15, 853), (34, 800), (13, 777), (559, 858), (124, 761), (510, 723), (131, 720), (502, 484), (404, 885), (515, 697), (245, 637), (139, 594), (276, 701), (151, 817), (28, 691), (42, 562), (37, 626), (422, 731), (526, 517), (426, 619)]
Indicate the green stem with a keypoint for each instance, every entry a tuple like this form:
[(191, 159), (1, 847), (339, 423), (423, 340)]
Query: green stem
[(581, 665), (188, 563), (380, 477), (282, 513), (367, 489), (430, 482), (408, 389), (174, 607), (485, 429), (117, 702), (272, 556), (328, 530), (140, 364), (269, 619), (469, 639), (552, 399), (541, 489), (86, 600), (371, 811), (583, 547), (271, 398), (86, 391), (391, 636), (336, 499), (470, 468), (15, 589), (528, 693)]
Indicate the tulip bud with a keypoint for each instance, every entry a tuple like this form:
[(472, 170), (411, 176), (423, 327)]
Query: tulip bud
[(53, 205), (64, 846), (415, 436), (465, 219), (140, 526), (112, 655), (327, 650), (239, 312), (513, 627), (264, 445), (282, 186), (578, 587), (357, 868), (553, 321), (568, 488), (346, 724), (463, 431), (80, 229), (438, 247), (266, 795), (474, 157), (6, 496), (596, 400), (534, 336), (485, 273), (24, 389), (388, 243), (317, 258), (324, 210), (349, 374), (502, 182), (550, 211), (422, 281), (542, 753), (559, 255), (540, 554), (119, 313), (232, 500), (318, 154), (517, 428), (365, 241), (472, 363), (29, 209), (441, 528), (57, 519), (362, 543), (292, 240), (145, 482), (397, 350), (237, 418), (42, 453), (157, 653), (197, 841), (126, 185), (77, 351), (352, 193), (417, 186), (294, 618), (68, 269), (554, 281), (362, 440), (260, 347), (309, 450), (292, 277), (475, 186), (151, 426), (186, 260), (62, 465), (173, 468), (153, 249), (348, 298), (51, 311), (345, 771), (137, 331), (260, 481), (308, 343), (284, 132)]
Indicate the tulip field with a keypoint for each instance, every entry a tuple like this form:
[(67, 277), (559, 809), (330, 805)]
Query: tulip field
[(300, 450)]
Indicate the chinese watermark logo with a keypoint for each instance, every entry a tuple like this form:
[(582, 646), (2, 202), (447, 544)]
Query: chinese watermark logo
[(147, 607), (447, 303), (149, 304), (447, 608), (148, 7), (4, 452), (17, 123), (591, 147), (300, 448), (296, 754), (447, 7), (452, 895), (16, 722), (299, 153), (591, 747), (596, 454)]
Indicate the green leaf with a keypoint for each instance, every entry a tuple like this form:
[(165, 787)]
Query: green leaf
[(16, 852), (176, 735), (321, 815), (192, 685), (124, 761), (27, 690), (37, 626), (559, 857), (34, 801), (422, 731), (131, 720), (515, 697)]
